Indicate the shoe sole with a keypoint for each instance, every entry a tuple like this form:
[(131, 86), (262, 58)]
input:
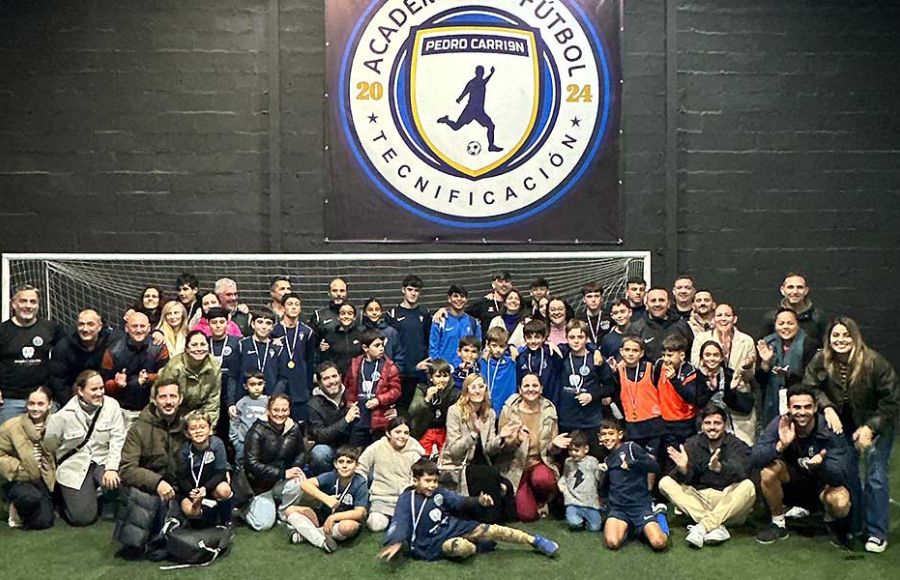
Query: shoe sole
[(772, 541)]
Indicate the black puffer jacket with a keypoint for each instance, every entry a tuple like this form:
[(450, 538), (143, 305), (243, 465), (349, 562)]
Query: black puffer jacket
[(136, 518), (69, 358), (268, 453)]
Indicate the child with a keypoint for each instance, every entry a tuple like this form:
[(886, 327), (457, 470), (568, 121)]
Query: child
[(537, 357), (245, 412), (599, 323), (582, 369), (443, 533), (681, 392), (430, 406), (625, 489), (620, 312), (225, 350), (374, 382), (413, 324), (373, 317), (202, 485), (468, 351), (578, 484), (343, 501), (498, 368), (259, 353), (298, 351), (445, 335)]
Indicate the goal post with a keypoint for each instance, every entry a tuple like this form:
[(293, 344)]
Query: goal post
[(110, 283)]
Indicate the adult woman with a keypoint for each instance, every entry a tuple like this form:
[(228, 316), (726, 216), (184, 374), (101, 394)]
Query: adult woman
[(173, 325), (512, 318), (530, 429), (859, 394), (727, 391), (86, 436), (558, 314), (341, 344), (783, 356), (739, 354), (198, 374), (148, 303), (27, 466), (274, 452), (208, 301), (389, 461)]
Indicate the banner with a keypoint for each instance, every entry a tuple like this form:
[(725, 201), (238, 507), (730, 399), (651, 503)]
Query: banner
[(468, 120)]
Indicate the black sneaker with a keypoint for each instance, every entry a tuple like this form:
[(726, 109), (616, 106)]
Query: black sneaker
[(330, 546), (840, 534), (772, 533)]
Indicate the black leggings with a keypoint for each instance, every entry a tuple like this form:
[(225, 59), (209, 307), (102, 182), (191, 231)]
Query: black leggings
[(33, 502)]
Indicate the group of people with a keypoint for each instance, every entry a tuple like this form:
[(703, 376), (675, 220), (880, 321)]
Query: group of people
[(513, 406)]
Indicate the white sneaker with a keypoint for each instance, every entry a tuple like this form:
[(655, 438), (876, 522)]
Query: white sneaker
[(696, 536), (660, 508), (796, 513), (678, 511), (717, 535), (14, 520), (876, 545), (296, 538)]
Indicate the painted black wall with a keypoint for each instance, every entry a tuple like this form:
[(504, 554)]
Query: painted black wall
[(131, 126)]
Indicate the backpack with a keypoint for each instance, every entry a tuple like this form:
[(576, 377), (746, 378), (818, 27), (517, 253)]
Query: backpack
[(189, 546)]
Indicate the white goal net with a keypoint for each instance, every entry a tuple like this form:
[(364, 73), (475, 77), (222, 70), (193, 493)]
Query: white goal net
[(111, 283)]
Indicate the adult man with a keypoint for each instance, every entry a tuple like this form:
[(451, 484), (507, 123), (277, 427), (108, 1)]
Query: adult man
[(227, 291), (25, 344), (130, 365), (331, 420), (599, 323), (710, 481), (702, 317), (795, 293), (657, 323), (804, 463), (149, 469), (486, 308), (634, 292), (279, 286), (187, 286), (325, 319), (683, 291), (413, 324), (76, 352)]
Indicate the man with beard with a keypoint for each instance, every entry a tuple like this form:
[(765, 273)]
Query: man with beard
[(25, 344), (804, 464), (149, 470), (76, 352), (131, 364), (227, 292), (657, 323), (795, 292), (710, 481), (280, 286), (701, 319), (331, 419), (489, 306), (325, 320)]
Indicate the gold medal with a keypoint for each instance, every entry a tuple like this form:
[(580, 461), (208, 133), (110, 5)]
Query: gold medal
[(291, 364), (634, 415)]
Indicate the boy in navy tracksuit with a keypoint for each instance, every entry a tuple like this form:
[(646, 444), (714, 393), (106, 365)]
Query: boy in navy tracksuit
[(444, 336), (537, 358), (580, 405), (226, 350), (259, 353), (413, 324), (298, 349), (427, 519), (468, 352), (625, 489), (498, 368)]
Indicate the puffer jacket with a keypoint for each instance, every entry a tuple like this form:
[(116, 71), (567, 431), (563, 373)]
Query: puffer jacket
[(872, 400), (69, 358), (513, 462), (151, 452), (200, 388), (17, 462), (136, 518), (268, 453)]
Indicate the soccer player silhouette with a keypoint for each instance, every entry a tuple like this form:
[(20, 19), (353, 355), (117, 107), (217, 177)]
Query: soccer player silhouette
[(474, 110)]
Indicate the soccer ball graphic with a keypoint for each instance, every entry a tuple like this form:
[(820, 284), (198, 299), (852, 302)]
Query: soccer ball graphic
[(473, 148)]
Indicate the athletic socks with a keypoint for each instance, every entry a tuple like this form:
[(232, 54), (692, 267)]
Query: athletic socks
[(779, 521)]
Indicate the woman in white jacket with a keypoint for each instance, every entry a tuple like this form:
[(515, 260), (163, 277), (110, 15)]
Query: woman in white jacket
[(86, 436)]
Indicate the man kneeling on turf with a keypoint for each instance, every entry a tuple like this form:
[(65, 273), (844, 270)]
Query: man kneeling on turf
[(802, 461), (626, 492), (710, 481), (426, 518)]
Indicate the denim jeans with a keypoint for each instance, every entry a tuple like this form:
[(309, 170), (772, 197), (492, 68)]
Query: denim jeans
[(577, 516), (876, 491), (321, 459), (11, 408)]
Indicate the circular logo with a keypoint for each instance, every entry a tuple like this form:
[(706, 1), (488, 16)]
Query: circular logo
[(473, 115), (226, 351), (37, 341)]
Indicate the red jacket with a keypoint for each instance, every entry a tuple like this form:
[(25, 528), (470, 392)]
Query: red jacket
[(387, 390)]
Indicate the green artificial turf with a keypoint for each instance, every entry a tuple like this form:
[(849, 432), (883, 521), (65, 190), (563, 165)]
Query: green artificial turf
[(65, 553)]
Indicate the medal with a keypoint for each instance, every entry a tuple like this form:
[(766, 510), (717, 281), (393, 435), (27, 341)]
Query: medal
[(375, 376), (291, 364), (634, 415), (584, 370)]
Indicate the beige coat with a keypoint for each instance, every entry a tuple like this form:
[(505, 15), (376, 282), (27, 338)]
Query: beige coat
[(391, 470), (17, 462), (67, 428), (513, 462), (461, 442)]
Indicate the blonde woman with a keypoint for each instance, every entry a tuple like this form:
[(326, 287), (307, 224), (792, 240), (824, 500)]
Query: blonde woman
[(174, 326)]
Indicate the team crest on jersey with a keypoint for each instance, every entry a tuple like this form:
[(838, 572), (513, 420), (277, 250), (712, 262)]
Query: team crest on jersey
[(475, 113), (37, 341), (27, 351)]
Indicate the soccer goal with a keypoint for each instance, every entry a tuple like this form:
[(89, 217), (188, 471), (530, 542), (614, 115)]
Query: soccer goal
[(111, 283)]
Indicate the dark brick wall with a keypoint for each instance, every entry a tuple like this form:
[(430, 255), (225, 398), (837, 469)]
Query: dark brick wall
[(143, 126)]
